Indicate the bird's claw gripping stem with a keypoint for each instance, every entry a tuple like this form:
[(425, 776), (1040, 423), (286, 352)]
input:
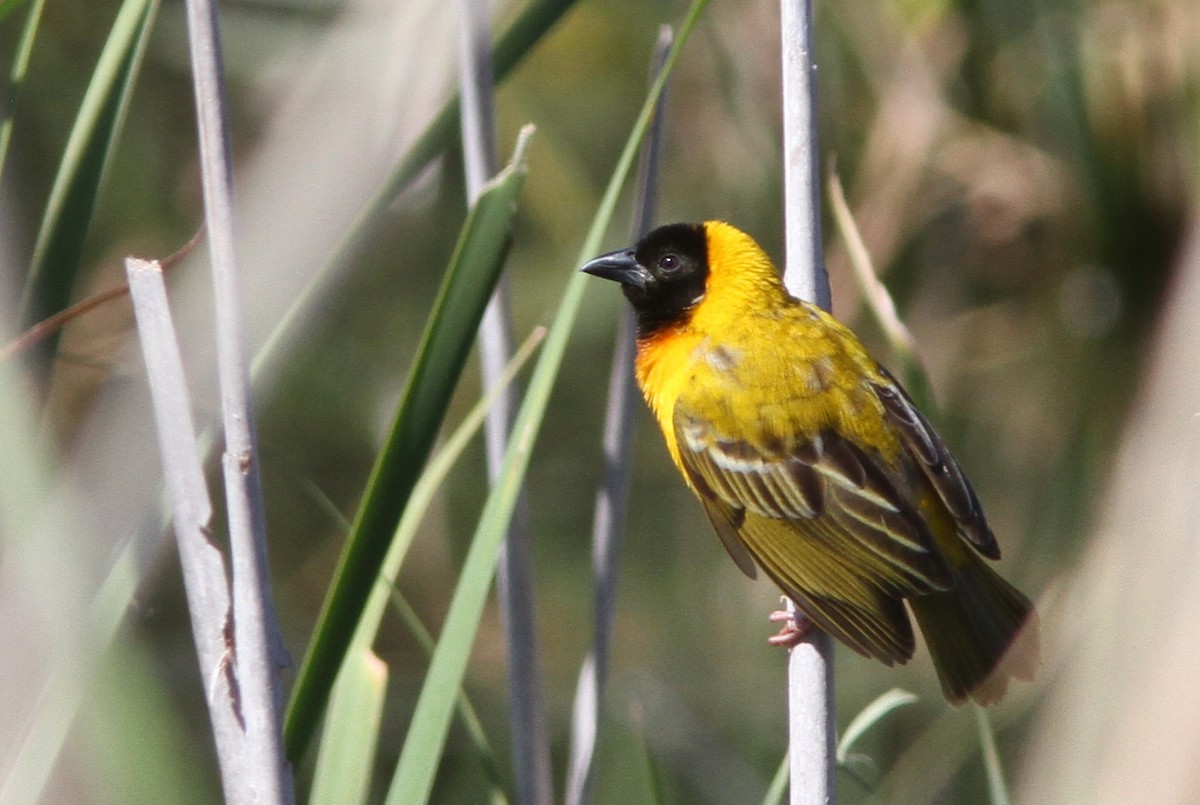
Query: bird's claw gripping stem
[(795, 627)]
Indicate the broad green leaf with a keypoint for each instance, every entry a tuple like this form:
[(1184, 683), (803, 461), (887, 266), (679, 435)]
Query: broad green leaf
[(347, 753), (423, 493), (449, 333), (427, 734)]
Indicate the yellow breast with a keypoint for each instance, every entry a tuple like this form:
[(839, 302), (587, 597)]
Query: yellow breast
[(773, 379)]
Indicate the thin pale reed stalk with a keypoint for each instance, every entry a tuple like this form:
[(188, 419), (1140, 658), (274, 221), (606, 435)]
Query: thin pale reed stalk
[(257, 648), (810, 664), (997, 787), (514, 570), (613, 496), (201, 562), (804, 270), (879, 301)]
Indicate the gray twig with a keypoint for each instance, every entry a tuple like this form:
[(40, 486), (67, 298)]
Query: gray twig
[(514, 571), (201, 561), (805, 269), (257, 648), (613, 496), (810, 664)]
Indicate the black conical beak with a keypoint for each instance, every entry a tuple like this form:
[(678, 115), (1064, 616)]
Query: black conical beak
[(621, 266)]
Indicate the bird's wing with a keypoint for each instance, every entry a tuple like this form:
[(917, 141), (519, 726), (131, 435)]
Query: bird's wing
[(826, 489), (726, 521), (824, 522), (938, 466)]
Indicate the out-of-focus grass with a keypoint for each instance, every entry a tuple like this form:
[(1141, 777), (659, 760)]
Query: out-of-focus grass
[(1022, 174), (55, 262), (470, 278)]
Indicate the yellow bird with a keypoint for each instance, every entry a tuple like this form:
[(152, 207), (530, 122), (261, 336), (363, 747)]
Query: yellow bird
[(813, 463)]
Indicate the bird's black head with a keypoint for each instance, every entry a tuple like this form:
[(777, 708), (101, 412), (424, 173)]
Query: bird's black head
[(663, 276)]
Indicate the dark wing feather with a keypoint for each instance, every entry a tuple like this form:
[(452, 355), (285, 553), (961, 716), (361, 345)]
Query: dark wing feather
[(826, 479), (726, 521), (882, 632), (935, 461), (825, 522), (828, 585), (745, 478)]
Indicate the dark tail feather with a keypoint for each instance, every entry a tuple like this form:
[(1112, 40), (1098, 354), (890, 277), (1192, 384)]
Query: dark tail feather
[(980, 632)]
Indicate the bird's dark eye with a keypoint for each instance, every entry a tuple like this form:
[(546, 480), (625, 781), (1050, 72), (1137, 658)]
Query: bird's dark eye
[(668, 262)]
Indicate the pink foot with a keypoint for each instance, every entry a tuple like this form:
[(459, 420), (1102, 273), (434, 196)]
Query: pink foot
[(795, 627)]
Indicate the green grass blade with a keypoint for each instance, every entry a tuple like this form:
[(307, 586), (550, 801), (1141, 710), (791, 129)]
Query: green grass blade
[(427, 486), (472, 274), (384, 590), (869, 716), (427, 734), (779, 784), (860, 767), (467, 715), (73, 196), (612, 495), (347, 753), (16, 76), (997, 788), (528, 29)]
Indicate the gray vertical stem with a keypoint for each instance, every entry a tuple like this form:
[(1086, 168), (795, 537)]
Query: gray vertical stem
[(804, 272), (811, 724), (514, 571), (608, 522), (613, 496), (204, 572), (257, 647), (810, 664)]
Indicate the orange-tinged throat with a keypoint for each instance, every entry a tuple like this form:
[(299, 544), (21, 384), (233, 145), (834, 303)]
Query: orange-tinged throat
[(663, 365)]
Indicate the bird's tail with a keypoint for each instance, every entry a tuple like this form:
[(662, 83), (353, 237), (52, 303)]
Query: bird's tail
[(980, 632)]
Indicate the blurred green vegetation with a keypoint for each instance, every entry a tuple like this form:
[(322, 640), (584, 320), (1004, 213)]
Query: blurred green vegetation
[(1022, 173)]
